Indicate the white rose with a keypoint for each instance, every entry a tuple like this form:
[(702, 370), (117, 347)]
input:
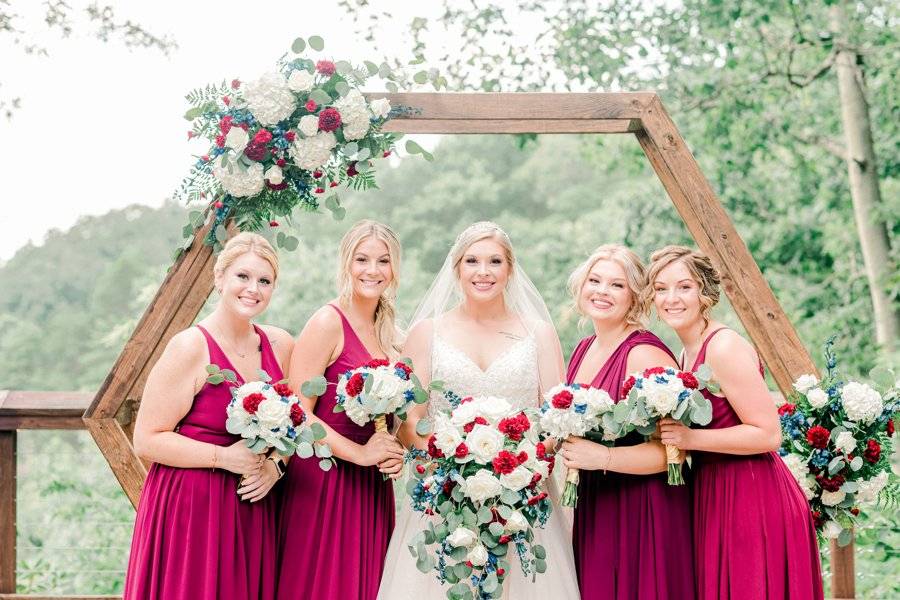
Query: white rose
[(269, 98), (237, 139), (380, 107), (861, 402), (356, 412), (817, 397), (660, 398), (845, 442), (252, 387), (274, 175), (238, 181), (386, 385), (462, 536), (301, 80), (516, 522), (309, 125), (463, 414), (805, 382), (481, 486), (446, 436), (518, 479), (493, 408), (832, 530), (478, 555), (272, 414), (484, 443), (833, 498)]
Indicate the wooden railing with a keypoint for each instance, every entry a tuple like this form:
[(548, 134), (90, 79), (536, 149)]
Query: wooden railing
[(29, 410)]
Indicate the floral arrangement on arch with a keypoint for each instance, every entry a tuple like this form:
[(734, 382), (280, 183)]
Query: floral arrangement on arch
[(286, 140), (837, 444)]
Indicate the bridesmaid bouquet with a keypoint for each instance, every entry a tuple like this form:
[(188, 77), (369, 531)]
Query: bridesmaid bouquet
[(480, 477), (575, 409), (837, 444), (661, 392), (269, 415)]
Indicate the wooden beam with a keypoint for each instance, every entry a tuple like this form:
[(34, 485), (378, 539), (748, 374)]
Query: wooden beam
[(709, 224), (119, 453), (42, 410), (518, 105), (457, 126), (7, 511)]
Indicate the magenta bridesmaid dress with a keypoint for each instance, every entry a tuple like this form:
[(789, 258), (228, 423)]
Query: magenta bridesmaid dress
[(334, 527), (193, 537), (632, 533), (753, 533)]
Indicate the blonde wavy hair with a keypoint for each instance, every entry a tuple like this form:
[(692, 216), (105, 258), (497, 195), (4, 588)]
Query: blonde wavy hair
[(635, 275), (385, 312), (700, 268), (241, 244), (476, 232)]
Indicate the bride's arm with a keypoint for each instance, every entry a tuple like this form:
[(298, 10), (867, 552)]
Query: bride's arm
[(418, 349)]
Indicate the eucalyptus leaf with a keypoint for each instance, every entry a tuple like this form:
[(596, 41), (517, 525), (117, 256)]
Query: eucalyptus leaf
[(539, 551), (496, 529), (540, 565), (836, 464), (857, 463), (342, 88), (316, 43), (291, 243), (318, 431), (320, 97), (371, 67), (215, 379), (298, 46), (212, 369), (314, 387), (882, 377), (229, 375), (323, 450), (305, 450), (326, 463), (423, 427)]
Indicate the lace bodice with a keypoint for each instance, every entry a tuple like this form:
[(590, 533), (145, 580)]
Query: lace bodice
[(513, 375)]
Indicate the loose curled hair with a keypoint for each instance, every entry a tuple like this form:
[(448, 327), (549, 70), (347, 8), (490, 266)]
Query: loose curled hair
[(635, 275), (385, 313), (700, 268)]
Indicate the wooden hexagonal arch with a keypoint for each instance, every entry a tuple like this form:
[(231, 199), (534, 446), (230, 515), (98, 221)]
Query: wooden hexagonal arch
[(181, 296)]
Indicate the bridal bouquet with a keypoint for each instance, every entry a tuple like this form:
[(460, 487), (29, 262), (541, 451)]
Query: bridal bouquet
[(481, 478), (269, 415), (575, 409), (837, 444), (665, 392)]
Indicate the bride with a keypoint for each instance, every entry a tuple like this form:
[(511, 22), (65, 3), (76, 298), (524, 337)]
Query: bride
[(482, 329)]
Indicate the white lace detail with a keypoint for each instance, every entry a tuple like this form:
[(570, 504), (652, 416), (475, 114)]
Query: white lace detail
[(512, 376)]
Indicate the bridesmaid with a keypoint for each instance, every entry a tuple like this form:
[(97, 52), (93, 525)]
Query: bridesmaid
[(753, 533), (193, 537), (334, 527), (632, 531)]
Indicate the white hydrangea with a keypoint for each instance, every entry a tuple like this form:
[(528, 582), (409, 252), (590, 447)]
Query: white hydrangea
[(313, 152), (805, 383), (870, 488), (833, 498), (832, 530), (355, 130), (355, 115), (380, 107), (238, 181), (797, 466), (309, 125), (269, 98), (274, 175), (560, 424), (598, 401), (845, 442), (301, 80), (861, 402)]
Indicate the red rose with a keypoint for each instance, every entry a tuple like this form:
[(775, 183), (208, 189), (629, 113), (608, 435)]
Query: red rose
[(220, 141), (263, 136), (890, 427), (325, 67), (787, 409), (297, 414), (505, 463), (654, 371), (872, 452), (225, 124), (434, 451), (251, 402), (219, 204), (461, 451), (235, 84), (280, 162), (818, 436), (688, 379), (832, 484), (351, 170), (448, 485), (329, 119), (255, 152), (627, 385), (205, 158), (854, 511), (282, 389), (563, 399), (226, 100), (311, 105), (290, 136), (316, 174), (500, 572), (377, 362), (355, 384), (468, 427), (817, 519), (514, 427)]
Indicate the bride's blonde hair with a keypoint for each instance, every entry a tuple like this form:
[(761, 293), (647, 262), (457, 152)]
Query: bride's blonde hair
[(476, 232), (385, 314)]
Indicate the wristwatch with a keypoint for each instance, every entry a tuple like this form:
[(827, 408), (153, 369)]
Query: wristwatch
[(279, 466)]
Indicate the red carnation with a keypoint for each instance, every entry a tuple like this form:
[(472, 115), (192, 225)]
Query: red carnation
[(219, 204), (333, 184), (311, 105), (627, 385), (290, 136), (319, 190), (500, 572), (403, 367), (817, 519), (654, 371), (325, 67), (220, 141), (276, 186), (787, 409), (890, 427), (316, 174), (462, 451), (468, 427), (255, 152), (420, 469), (280, 162), (225, 124), (505, 538), (854, 511), (263, 136), (251, 402), (329, 119), (386, 153), (872, 452), (514, 427), (282, 389), (351, 170), (534, 480), (688, 379), (434, 451), (832, 484), (297, 414), (448, 485), (540, 451), (466, 399), (818, 436), (563, 399), (244, 126), (505, 463), (235, 84), (355, 384), (377, 362), (535, 499)]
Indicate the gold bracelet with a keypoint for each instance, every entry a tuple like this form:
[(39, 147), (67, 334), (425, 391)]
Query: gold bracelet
[(608, 459), (215, 456)]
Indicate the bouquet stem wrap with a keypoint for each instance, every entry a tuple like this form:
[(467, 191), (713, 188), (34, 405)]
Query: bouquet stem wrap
[(570, 493), (673, 459), (380, 424)]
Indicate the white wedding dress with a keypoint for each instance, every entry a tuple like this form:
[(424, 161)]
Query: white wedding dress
[(514, 376)]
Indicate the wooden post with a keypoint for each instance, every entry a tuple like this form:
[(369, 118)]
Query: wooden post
[(843, 570), (8, 512)]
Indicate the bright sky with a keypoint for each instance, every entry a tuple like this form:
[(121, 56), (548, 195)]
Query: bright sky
[(101, 126)]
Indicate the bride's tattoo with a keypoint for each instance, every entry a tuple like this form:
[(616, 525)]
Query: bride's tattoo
[(510, 335)]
